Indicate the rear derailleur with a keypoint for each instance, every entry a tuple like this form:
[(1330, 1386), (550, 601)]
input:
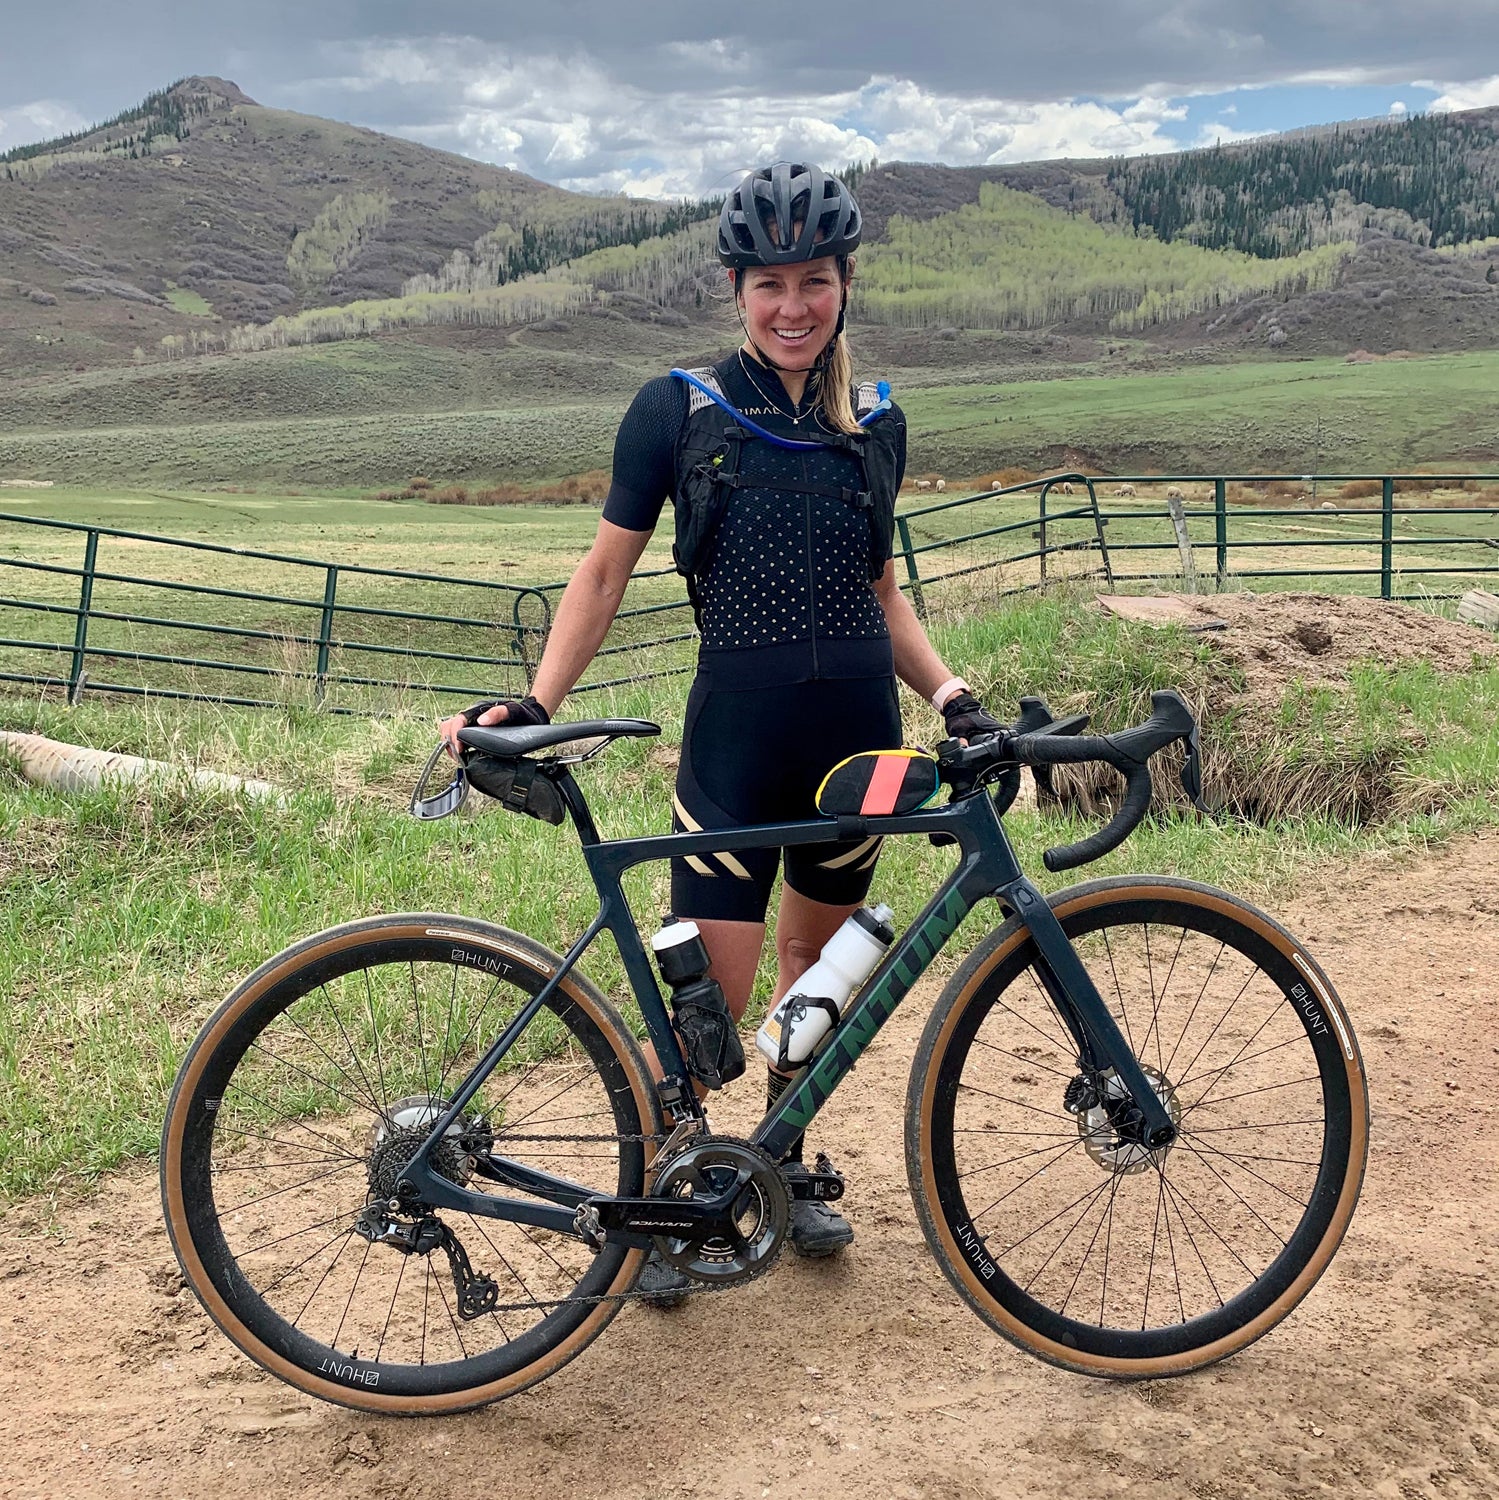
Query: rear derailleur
[(477, 1294)]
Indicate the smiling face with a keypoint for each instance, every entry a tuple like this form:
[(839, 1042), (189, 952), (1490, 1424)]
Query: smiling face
[(791, 312)]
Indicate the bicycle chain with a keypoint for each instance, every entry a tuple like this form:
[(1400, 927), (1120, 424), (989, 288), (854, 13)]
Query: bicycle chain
[(696, 1288)]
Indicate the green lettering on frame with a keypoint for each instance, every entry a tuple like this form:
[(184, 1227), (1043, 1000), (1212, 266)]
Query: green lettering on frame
[(862, 1025)]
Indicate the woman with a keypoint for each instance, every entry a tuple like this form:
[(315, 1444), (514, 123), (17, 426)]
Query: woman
[(785, 537)]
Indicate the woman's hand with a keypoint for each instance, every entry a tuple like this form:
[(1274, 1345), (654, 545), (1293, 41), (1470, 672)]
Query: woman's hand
[(488, 713)]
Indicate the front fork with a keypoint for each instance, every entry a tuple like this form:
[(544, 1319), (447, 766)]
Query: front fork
[(1100, 1043)]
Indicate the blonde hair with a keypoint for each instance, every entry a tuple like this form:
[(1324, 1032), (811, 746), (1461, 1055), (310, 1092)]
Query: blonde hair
[(835, 391)]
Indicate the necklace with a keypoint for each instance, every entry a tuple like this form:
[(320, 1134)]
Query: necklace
[(796, 415)]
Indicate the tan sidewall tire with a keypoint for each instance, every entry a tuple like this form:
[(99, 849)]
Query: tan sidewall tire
[(920, 1103), (393, 928)]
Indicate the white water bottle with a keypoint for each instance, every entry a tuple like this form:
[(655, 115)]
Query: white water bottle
[(813, 1005)]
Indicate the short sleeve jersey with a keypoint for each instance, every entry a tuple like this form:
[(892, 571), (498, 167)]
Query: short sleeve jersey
[(786, 596)]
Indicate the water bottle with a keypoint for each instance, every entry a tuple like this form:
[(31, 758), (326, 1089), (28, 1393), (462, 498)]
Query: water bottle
[(811, 1008), (710, 1041)]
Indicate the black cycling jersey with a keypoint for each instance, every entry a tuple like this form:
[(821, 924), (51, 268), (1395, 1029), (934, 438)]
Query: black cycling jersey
[(786, 596)]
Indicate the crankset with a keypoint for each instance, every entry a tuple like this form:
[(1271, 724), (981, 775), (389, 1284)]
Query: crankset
[(719, 1211)]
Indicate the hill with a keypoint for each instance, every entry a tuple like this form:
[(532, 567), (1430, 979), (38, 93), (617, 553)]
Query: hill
[(201, 222), (202, 209)]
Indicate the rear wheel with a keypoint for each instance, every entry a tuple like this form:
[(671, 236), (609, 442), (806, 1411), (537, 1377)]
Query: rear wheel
[(297, 1109), (1061, 1230)]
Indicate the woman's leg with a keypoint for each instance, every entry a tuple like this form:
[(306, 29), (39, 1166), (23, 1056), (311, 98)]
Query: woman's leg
[(803, 926)]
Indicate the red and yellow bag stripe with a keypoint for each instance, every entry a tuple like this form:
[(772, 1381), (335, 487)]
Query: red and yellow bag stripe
[(877, 783)]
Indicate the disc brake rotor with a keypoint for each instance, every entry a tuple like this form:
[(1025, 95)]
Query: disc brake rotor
[(1110, 1127)]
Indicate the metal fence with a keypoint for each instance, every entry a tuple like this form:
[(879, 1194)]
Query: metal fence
[(314, 636), (354, 639)]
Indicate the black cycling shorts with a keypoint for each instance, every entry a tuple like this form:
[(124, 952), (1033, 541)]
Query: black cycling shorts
[(758, 757)]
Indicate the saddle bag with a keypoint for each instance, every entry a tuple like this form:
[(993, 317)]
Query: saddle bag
[(517, 785)]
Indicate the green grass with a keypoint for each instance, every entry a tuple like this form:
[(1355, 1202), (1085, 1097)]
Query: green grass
[(127, 915), (194, 304), (1273, 416), (373, 412), (524, 545)]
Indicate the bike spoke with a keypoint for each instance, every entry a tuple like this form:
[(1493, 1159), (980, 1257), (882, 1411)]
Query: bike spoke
[(291, 1187)]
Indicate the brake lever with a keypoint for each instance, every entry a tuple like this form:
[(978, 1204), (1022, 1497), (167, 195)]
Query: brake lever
[(1036, 717), (1191, 772)]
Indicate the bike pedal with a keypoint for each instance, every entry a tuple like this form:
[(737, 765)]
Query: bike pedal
[(825, 1185)]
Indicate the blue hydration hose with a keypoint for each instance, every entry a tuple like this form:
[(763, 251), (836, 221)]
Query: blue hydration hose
[(883, 388)]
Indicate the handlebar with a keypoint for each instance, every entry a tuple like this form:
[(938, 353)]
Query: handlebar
[(1057, 743)]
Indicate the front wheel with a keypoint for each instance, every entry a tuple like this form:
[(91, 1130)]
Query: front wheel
[(1063, 1233), (298, 1107)]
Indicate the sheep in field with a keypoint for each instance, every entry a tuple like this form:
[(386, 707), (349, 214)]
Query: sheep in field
[(1065, 486), (1125, 490), (1173, 492), (923, 484), (940, 485)]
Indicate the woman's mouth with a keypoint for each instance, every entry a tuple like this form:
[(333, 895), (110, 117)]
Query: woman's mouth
[(792, 335)]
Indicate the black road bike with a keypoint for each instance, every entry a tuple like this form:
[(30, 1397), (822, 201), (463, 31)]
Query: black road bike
[(415, 1163)]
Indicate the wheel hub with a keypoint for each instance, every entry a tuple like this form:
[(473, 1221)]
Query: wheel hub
[(397, 1138), (1112, 1127), (761, 1211)]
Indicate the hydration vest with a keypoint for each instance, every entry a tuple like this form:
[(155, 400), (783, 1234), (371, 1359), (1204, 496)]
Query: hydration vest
[(709, 457)]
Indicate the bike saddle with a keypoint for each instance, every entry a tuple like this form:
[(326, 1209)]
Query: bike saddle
[(526, 739)]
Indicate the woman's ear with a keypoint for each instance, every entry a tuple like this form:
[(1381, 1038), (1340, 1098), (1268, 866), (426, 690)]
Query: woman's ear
[(848, 269)]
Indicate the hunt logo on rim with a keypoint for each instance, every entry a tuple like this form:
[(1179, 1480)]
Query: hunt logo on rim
[(1309, 1008), (349, 1374), (480, 960), (973, 1247)]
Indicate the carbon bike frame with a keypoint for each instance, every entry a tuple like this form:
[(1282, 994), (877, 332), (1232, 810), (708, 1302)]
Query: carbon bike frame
[(987, 866)]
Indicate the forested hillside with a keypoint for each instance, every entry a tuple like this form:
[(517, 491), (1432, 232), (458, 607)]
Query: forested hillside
[(198, 212), (1011, 261), (200, 222), (1433, 179)]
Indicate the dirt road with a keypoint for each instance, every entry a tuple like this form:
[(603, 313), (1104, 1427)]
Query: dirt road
[(867, 1377)]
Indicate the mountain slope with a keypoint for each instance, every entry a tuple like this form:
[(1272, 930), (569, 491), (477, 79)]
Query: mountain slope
[(202, 205)]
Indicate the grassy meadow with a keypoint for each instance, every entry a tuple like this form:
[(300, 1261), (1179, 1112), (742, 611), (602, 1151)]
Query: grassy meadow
[(515, 558), (371, 413), (127, 914)]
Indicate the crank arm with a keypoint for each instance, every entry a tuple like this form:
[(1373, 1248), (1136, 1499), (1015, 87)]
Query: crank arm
[(693, 1220)]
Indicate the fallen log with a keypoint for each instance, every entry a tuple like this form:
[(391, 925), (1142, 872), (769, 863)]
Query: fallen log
[(74, 768), (1479, 608)]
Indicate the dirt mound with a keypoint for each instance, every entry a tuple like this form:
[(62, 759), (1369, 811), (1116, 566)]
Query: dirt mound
[(1277, 639)]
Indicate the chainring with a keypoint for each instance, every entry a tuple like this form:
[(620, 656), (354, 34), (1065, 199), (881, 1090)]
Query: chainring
[(706, 1167)]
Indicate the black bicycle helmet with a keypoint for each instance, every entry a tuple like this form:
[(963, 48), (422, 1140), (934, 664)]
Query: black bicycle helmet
[(786, 213)]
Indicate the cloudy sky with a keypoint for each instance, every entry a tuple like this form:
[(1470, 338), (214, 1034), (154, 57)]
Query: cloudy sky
[(664, 97)]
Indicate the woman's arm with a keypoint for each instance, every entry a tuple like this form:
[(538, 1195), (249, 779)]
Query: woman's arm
[(916, 661), (584, 614), (586, 610)]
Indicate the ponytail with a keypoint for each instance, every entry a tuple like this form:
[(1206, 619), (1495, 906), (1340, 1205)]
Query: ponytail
[(835, 392)]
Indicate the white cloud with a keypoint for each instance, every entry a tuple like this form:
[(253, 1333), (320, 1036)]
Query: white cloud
[(1476, 94), (1216, 133), (576, 121), (40, 120), (1398, 110)]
